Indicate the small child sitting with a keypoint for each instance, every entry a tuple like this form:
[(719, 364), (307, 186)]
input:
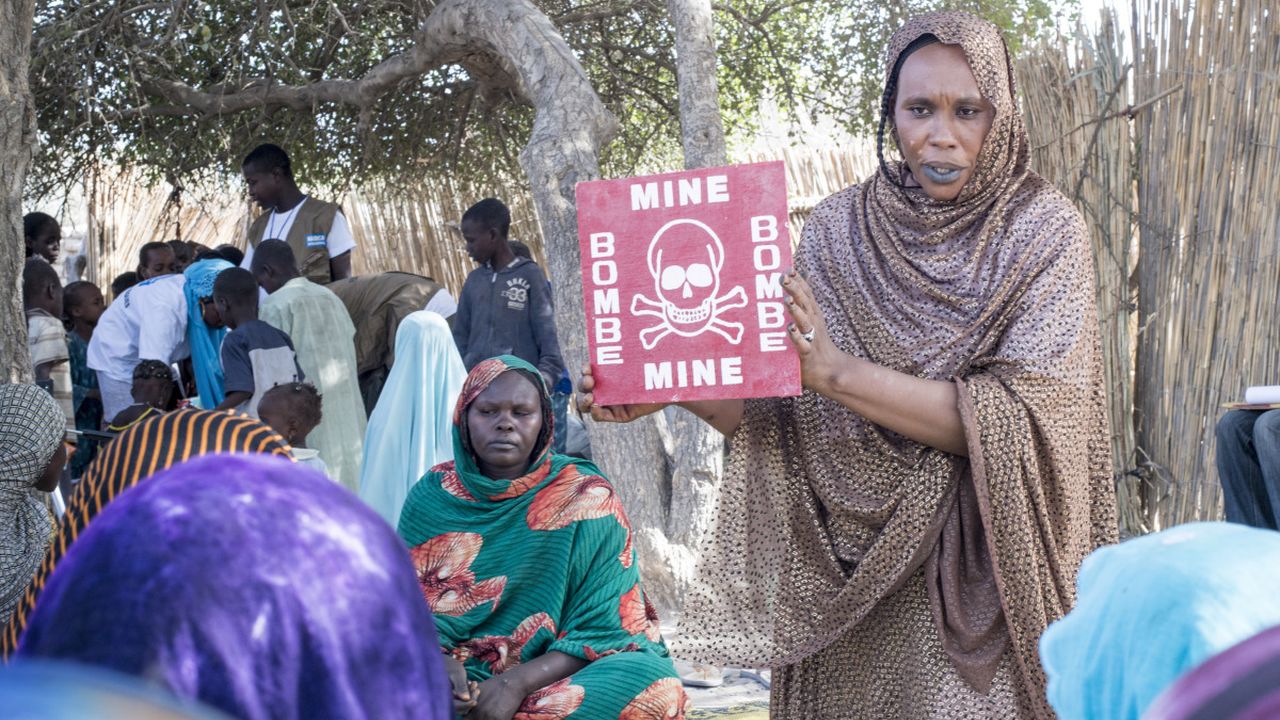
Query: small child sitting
[(153, 393), (46, 335), (255, 356), (294, 410)]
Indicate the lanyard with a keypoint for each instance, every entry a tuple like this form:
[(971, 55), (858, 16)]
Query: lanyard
[(271, 221)]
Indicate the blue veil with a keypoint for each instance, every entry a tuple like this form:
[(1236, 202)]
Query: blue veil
[(411, 429), (205, 342), (1152, 608)]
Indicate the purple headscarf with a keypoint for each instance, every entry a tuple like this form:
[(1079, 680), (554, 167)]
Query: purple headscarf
[(1239, 683), (253, 585)]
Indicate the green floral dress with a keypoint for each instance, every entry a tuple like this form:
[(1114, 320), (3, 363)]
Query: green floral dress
[(514, 569)]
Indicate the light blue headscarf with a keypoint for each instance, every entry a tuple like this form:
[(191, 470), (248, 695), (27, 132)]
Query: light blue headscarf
[(205, 342), (1153, 608), (411, 429)]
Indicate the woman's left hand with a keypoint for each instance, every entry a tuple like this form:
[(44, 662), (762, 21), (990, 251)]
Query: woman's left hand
[(497, 699), (820, 359)]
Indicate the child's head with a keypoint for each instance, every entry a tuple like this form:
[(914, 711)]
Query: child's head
[(230, 253), (153, 384), (274, 264), (123, 281), (484, 228), (41, 288), (181, 254), (292, 409), (156, 259), (42, 235), (82, 303), (235, 295)]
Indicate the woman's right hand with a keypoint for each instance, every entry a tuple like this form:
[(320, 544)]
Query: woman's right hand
[(609, 413), (464, 691)]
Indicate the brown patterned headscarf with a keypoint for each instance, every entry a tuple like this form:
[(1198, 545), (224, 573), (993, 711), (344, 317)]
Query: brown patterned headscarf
[(824, 515)]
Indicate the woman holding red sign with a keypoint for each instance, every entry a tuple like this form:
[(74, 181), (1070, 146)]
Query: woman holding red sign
[(894, 541)]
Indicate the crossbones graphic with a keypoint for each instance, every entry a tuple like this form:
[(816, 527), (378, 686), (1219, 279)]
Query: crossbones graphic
[(688, 301)]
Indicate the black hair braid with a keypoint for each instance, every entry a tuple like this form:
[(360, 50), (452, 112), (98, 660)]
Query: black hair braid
[(886, 107)]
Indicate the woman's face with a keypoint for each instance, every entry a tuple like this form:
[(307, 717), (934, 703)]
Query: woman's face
[(209, 313), (941, 117), (504, 422)]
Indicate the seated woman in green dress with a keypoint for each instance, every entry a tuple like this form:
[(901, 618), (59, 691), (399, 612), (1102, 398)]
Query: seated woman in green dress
[(527, 562)]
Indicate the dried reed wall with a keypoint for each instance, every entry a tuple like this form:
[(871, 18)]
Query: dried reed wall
[(1167, 137)]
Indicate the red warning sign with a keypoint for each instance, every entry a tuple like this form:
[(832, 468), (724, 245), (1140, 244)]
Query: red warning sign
[(682, 277)]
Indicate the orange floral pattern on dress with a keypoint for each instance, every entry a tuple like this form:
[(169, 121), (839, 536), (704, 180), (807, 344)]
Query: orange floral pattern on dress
[(572, 497), (665, 699), (638, 615), (452, 484), (553, 702), (501, 652), (522, 485), (443, 564)]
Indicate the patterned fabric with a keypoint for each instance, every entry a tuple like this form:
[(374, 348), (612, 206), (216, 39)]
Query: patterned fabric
[(137, 454), (47, 341), (203, 340), (410, 430), (88, 410), (31, 426), (253, 586), (882, 577), (1154, 607), (1240, 683), (514, 569)]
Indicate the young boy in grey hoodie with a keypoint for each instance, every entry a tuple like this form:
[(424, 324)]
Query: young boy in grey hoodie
[(505, 306)]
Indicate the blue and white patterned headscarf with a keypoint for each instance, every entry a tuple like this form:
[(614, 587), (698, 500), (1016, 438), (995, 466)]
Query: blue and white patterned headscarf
[(205, 342), (31, 426)]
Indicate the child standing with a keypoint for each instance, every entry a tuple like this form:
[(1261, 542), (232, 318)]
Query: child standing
[(294, 410), (46, 336), (82, 305), (255, 355), (156, 259), (153, 393)]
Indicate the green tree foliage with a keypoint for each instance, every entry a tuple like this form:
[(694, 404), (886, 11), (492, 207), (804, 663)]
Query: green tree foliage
[(95, 65)]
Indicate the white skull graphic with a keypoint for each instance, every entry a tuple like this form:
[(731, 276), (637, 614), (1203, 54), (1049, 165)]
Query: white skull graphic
[(685, 258)]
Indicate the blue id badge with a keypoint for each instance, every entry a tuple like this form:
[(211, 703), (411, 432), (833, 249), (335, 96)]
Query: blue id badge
[(315, 241)]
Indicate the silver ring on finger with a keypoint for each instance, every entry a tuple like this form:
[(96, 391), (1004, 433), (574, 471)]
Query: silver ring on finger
[(808, 336)]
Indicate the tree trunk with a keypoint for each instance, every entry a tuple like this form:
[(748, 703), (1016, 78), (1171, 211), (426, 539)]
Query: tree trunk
[(17, 138), (701, 132), (696, 449)]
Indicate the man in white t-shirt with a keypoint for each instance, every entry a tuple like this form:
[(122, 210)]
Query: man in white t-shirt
[(147, 322), (317, 231)]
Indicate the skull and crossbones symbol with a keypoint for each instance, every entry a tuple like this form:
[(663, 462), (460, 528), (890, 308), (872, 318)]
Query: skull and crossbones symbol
[(685, 259)]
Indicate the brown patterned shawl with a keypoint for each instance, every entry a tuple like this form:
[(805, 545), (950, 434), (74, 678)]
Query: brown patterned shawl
[(823, 514)]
